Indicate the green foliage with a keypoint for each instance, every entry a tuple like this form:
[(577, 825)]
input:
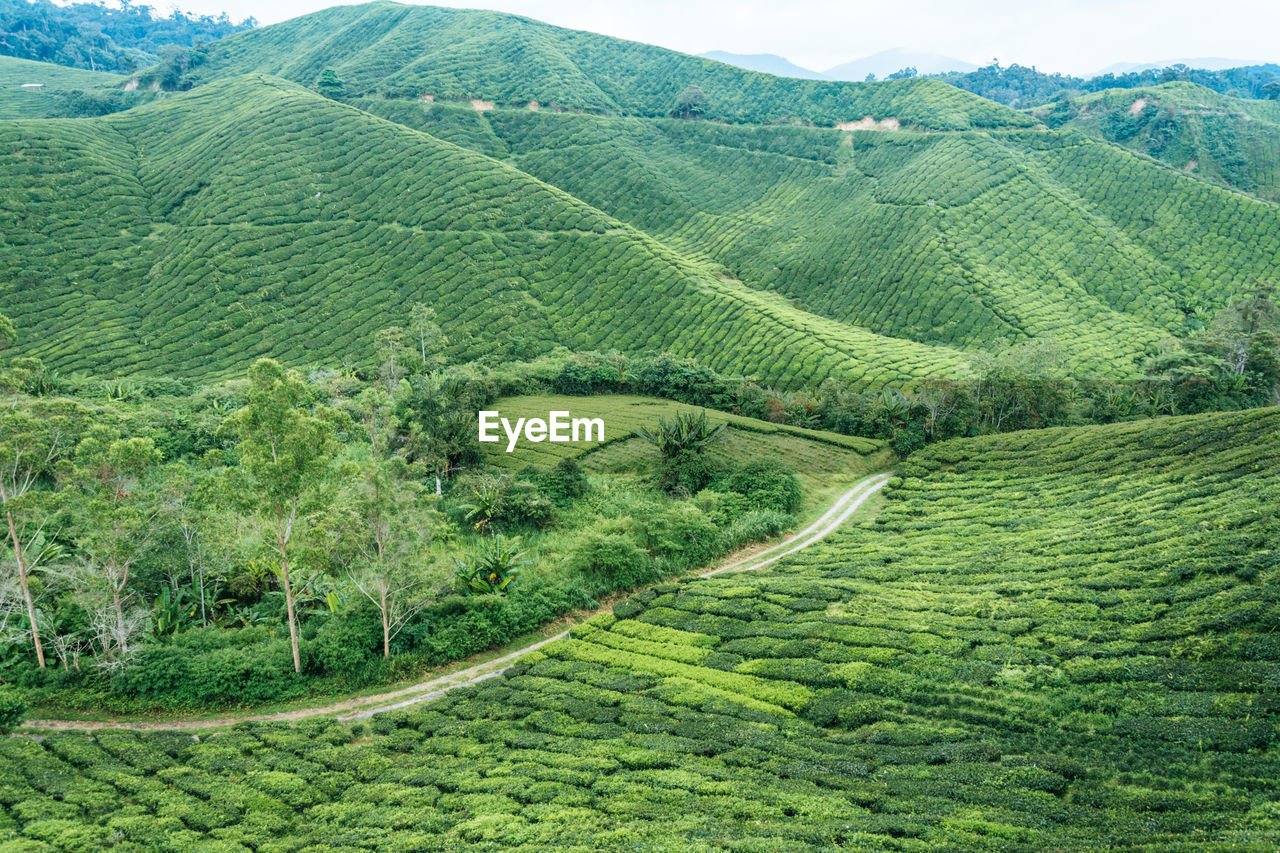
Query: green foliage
[(8, 335), (13, 710), (1043, 641), (492, 567), (614, 555), (516, 62), (768, 485), (95, 35)]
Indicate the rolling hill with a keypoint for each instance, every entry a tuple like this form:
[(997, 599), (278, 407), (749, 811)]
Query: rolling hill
[(252, 217), (1233, 142), (56, 83), (408, 51), (966, 240), (1053, 640)]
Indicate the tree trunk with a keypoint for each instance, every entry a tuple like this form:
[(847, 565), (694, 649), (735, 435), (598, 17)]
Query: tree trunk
[(26, 590), (288, 603), (386, 625)]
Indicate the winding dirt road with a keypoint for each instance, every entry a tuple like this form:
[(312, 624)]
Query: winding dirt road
[(366, 706)]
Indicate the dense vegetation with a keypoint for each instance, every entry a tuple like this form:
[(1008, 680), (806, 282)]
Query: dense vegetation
[(1048, 639), (99, 37), (257, 541), (1019, 86), (967, 240), (206, 250)]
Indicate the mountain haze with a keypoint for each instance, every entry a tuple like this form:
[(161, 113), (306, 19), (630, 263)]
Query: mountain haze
[(769, 63)]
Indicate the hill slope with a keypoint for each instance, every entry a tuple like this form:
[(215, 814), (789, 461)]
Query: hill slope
[(411, 51), (1051, 640), (251, 217), (1230, 141), (58, 84), (967, 240)]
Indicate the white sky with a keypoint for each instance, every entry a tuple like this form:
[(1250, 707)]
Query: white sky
[(1072, 36)]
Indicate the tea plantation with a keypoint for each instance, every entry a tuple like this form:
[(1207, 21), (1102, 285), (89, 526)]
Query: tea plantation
[(1061, 639), (253, 217), (1230, 141), (406, 51)]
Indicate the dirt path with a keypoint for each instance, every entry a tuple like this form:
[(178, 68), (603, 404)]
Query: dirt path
[(366, 706)]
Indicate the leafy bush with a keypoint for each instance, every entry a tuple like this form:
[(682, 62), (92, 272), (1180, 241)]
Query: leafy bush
[(13, 710), (767, 485), (613, 555)]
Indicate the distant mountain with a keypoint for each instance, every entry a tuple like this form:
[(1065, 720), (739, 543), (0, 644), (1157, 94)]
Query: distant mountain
[(769, 63), (1209, 63), (887, 62)]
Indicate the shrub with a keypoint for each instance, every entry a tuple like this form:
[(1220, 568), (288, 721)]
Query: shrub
[(767, 484), (13, 710), (614, 555), (682, 534), (346, 642)]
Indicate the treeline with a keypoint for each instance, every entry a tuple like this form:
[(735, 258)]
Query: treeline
[(101, 37), (1020, 87)]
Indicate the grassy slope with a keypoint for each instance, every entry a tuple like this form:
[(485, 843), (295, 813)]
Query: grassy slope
[(1229, 141), (16, 102), (251, 217), (1061, 639), (964, 239), (452, 54)]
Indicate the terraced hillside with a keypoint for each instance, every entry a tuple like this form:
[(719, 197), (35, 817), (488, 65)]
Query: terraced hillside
[(252, 217), (1229, 141), (964, 239), (1052, 640), (409, 51)]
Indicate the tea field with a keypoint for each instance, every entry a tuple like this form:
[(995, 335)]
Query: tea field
[(1229, 141), (252, 217), (1062, 639), (406, 51)]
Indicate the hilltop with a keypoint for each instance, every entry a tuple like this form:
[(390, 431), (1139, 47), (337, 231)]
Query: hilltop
[(405, 51)]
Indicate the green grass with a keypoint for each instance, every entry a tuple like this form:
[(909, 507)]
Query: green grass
[(1232, 142), (1051, 640), (410, 51)]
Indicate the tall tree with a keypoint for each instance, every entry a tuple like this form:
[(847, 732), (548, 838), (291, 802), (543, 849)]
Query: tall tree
[(115, 522), (427, 334), (34, 436), (284, 451)]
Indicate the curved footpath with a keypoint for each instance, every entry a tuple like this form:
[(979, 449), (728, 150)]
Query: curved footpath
[(366, 706)]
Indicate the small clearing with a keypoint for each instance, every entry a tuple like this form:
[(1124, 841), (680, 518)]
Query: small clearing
[(869, 123)]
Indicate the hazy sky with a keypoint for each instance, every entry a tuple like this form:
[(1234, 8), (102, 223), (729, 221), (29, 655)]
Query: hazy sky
[(1076, 36)]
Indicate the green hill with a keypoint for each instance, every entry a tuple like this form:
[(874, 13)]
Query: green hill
[(1229, 141), (1053, 640), (408, 51), (966, 239), (252, 217)]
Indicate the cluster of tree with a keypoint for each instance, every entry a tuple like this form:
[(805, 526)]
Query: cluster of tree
[(101, 37), (1020, 87), (277, 534)]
